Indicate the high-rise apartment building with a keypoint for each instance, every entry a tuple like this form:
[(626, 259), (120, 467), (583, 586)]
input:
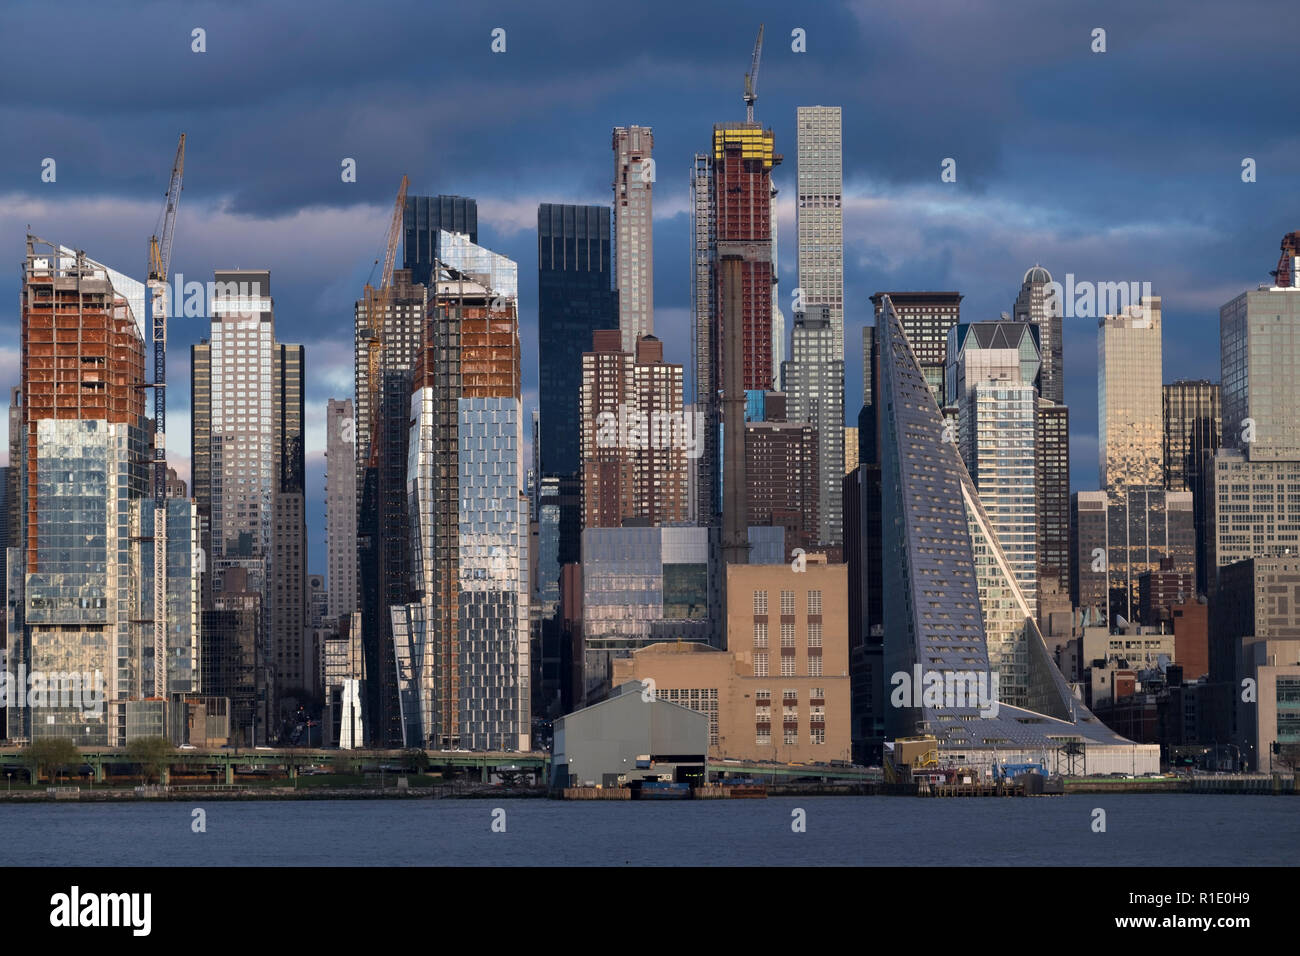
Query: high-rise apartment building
[(382, 406), (1129, 398), (814, 386), (423, 219), (634, 436), (340, 510), (782, 479), (991, 368), (248, 466), (704, 383), (633, 232), (926, 318), (461, 646), (1193, 430), (1036, 305), (820, 215)]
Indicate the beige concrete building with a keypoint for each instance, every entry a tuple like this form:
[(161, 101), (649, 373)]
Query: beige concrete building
[(780, 691), (1270, 726)]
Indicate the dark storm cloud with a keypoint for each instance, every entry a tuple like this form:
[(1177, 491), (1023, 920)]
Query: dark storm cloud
[(1115, 166)]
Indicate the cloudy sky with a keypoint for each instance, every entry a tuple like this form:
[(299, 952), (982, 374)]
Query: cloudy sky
[(1117, 166)]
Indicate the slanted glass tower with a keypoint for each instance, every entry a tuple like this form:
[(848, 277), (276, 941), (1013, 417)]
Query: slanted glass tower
[(941, 559)]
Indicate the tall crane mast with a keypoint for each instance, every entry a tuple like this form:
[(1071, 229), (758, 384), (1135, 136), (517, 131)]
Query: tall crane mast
[(751, 78), (376, 300), (160, 255)]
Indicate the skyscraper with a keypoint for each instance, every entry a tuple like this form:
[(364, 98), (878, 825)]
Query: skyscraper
[(814, 385), (1129, 398), (926, 319), (1193, 430), (423, 219), (340, 509), (1035, 304), (248, 458), (820, 216), (740, 196), (575, 298), (939, 542), (461, 646), (704, 383), (1254, 511), (383, 413), (633, 232), (991, 368), (80, 582)]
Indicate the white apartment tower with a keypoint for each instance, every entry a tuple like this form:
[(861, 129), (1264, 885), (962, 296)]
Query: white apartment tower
[(634, 175)]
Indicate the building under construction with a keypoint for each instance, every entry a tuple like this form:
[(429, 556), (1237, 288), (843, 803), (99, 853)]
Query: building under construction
[(80, 584), (461, 646)]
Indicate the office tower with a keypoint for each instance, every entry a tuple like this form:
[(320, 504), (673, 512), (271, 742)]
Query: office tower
[(640, 586), (574, 299), (340, 509), (740, 272), (382, 428), (422, 220), (704, 385), (939, 543), (1036, 305), (289, 602), (633, 232), (783, 481), (634, 438), (814, 386), (1253, 507), (1052, 486), (1129, 398), (1117, 536), (248, 468), (1193, 430), (71, 581), (926, 318), (461, 646), (991, 368), (820, 216)]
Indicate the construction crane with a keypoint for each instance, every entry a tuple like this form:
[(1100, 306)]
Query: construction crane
[(751, 78), (376, 300), (160, 256)]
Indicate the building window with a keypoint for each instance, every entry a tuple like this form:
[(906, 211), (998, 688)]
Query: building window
[(787, 603), (760, 634), (814, 602), (787, 666), (814, 634), (787, 634), (760, 665), (760, 602)]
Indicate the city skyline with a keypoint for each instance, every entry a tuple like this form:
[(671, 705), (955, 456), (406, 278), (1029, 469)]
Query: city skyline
[(1037, 204)]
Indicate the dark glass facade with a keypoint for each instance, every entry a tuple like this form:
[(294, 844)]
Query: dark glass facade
[(422, 219), (575, 297)]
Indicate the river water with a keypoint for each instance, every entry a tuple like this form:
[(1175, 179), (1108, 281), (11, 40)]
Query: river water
[(1140, 829)]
